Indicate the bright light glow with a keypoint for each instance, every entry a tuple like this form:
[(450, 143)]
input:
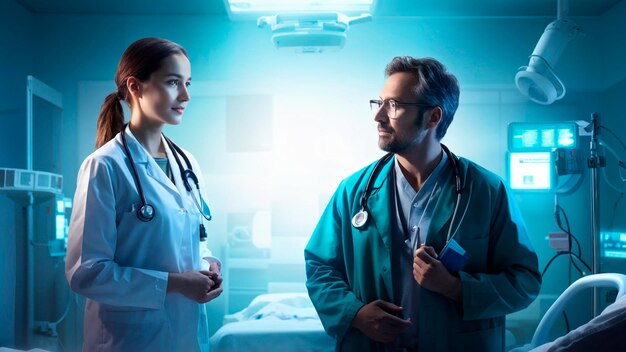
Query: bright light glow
[(272, 6), (566, 138), (60, 227), (262, 229), (60, 206), (68, 203), (530, 171)]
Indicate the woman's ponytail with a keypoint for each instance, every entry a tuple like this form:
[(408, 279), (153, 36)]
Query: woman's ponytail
[(111, 119)]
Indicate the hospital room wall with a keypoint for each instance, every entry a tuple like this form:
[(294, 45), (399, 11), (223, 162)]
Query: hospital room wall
[(325, 94), (16, 61)]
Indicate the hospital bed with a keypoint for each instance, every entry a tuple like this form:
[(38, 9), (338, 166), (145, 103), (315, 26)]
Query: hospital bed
[(280, 315), (283, 321), (606, 332)]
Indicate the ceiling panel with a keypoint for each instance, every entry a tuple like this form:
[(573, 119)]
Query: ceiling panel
[(420, 8), (152, 7), (496, 8)]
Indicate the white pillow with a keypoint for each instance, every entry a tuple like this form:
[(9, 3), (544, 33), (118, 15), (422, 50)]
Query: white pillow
[(294, 300)]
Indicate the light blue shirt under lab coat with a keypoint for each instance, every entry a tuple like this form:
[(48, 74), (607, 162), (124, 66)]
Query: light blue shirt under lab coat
[(416, 210)]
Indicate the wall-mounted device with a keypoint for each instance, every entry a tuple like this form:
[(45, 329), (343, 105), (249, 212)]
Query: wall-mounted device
[(29, 180), (541, 153)]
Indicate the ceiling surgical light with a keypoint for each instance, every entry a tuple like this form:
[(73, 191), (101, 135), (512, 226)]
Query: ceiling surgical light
[(310, 32), (538, 81), (260, 7)]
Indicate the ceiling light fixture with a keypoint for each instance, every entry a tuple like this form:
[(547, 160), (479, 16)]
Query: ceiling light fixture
[(538, 81)]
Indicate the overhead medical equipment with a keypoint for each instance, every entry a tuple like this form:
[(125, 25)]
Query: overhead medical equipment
[(147, 212), (252, 9), (538, 81), (360, 218), (310, 32)]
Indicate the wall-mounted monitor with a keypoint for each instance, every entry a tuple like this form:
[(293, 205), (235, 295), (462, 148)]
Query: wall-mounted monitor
[(530, 171), (527, 137), (613, 245)]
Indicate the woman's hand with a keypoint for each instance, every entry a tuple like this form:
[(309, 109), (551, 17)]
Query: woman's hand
[(199, 286), (216, 274)]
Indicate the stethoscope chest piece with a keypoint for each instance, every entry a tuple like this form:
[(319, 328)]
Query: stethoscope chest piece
[(145, 212), (359, 219)]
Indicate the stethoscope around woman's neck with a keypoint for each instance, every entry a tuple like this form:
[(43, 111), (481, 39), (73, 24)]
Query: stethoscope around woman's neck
[(360, 218), (147, 212)]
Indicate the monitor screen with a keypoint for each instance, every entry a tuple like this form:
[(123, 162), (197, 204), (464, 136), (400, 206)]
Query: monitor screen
[(530, 171), (542, 137), (613, 244)]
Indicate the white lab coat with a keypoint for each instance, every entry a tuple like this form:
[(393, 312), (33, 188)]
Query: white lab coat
[(120, 264)]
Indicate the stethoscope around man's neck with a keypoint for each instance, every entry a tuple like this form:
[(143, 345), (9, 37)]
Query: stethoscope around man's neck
[(360, 218), (147, 212)]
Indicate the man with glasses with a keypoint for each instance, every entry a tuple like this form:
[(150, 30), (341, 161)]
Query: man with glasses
[(373, 262)]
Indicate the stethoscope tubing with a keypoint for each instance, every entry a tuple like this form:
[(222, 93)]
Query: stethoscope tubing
[(147, 212), (360, 218)]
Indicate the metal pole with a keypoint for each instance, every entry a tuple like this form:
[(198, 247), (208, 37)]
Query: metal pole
[(30, 232), (562, 9), (595, 162)]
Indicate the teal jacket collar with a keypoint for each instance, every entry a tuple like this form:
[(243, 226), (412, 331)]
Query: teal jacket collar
[(382, 210)]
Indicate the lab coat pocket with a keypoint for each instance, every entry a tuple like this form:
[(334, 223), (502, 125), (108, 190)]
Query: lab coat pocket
[(129, 224), (136, 329), (478, 249)]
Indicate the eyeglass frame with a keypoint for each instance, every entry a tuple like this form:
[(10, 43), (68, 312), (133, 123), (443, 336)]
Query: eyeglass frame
[(381, 103)]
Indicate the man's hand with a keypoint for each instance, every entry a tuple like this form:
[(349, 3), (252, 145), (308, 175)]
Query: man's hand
[(377, 320), (198, 286), (429, 273)]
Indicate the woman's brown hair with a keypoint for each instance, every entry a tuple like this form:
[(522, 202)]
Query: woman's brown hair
[(139, 60)]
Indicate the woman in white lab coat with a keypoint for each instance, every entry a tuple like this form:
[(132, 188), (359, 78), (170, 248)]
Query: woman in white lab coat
[(134, 243)]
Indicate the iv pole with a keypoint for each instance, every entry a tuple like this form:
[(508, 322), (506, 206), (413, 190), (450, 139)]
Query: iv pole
[(595, 162)]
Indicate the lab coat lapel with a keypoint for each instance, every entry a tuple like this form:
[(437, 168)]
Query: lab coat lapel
[(176, 172), (380, 204), (144, 160), (381, 207), (442, 215), (444, 209)]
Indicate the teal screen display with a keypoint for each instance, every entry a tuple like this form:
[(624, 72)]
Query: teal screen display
[(530, 171), (613, 244), (542, 137)]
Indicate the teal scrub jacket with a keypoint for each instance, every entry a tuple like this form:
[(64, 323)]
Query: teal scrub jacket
[(347, 267)]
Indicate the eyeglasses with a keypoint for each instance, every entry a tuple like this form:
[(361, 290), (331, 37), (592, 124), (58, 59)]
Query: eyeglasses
[(392, 106)]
